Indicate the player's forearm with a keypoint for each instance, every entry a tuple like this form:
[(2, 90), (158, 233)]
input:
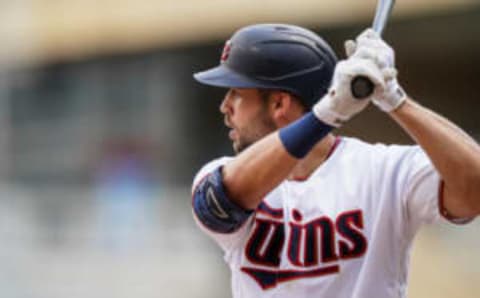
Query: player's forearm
[(455, 155), (257, 170)]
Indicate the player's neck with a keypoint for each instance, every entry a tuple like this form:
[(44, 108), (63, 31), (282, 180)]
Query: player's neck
[(314, 159)]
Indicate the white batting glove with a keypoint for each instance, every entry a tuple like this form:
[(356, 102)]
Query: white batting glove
[(370, 46), (339, 105)]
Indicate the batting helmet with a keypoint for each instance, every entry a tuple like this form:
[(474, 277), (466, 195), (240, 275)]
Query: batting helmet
[(275, 56)]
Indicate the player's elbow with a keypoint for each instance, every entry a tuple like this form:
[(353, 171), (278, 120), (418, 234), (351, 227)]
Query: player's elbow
[(472, 195), (213, 208), (467, 193)]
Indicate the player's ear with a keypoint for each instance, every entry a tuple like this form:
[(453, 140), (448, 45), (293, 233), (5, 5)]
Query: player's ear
[(281, 104)]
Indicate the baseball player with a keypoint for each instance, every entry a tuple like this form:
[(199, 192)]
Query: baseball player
[(300, 212)]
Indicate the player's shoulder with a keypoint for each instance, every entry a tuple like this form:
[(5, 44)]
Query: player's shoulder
[(209, 167), (353, 143), (358, 147)]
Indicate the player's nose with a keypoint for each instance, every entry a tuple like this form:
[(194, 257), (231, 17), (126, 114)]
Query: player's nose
[(225, 106)]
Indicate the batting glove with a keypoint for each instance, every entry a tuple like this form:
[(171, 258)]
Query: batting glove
[(339, 105), (370, 46)]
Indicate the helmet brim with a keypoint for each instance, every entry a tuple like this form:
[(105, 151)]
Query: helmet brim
[(222, 76)]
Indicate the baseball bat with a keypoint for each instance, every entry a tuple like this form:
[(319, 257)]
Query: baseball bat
[(361, 86)]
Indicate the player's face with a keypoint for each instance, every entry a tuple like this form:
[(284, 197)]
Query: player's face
[(246, 113)]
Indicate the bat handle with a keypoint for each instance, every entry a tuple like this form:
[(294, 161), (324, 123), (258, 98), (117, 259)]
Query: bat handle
[(361, 87)]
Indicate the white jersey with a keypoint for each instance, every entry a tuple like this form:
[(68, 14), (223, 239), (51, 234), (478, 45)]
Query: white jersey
[(346, 231)]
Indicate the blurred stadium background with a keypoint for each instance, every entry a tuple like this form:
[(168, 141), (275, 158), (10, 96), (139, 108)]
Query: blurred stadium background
[(102, 129)]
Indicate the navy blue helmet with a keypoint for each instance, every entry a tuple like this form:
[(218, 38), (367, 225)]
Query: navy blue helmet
[(275, 56)]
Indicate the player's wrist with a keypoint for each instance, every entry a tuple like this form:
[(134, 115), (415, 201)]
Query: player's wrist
[(301, 136)]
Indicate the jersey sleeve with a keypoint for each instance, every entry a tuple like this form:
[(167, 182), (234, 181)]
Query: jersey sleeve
[(229, 241), (422, 189), (418, 186)]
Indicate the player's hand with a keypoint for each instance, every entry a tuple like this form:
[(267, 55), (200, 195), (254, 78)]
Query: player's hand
[(338, 105), (370, 46)]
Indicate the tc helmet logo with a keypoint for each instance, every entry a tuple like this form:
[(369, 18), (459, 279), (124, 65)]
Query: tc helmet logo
[(226, 51)]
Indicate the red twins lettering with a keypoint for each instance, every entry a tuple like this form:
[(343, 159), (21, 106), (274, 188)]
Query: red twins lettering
[(316, 243)]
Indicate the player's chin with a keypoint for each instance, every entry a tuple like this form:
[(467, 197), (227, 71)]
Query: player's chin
[(239, 146)]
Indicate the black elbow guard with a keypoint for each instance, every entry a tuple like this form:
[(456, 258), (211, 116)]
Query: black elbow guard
[(214, 209)]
